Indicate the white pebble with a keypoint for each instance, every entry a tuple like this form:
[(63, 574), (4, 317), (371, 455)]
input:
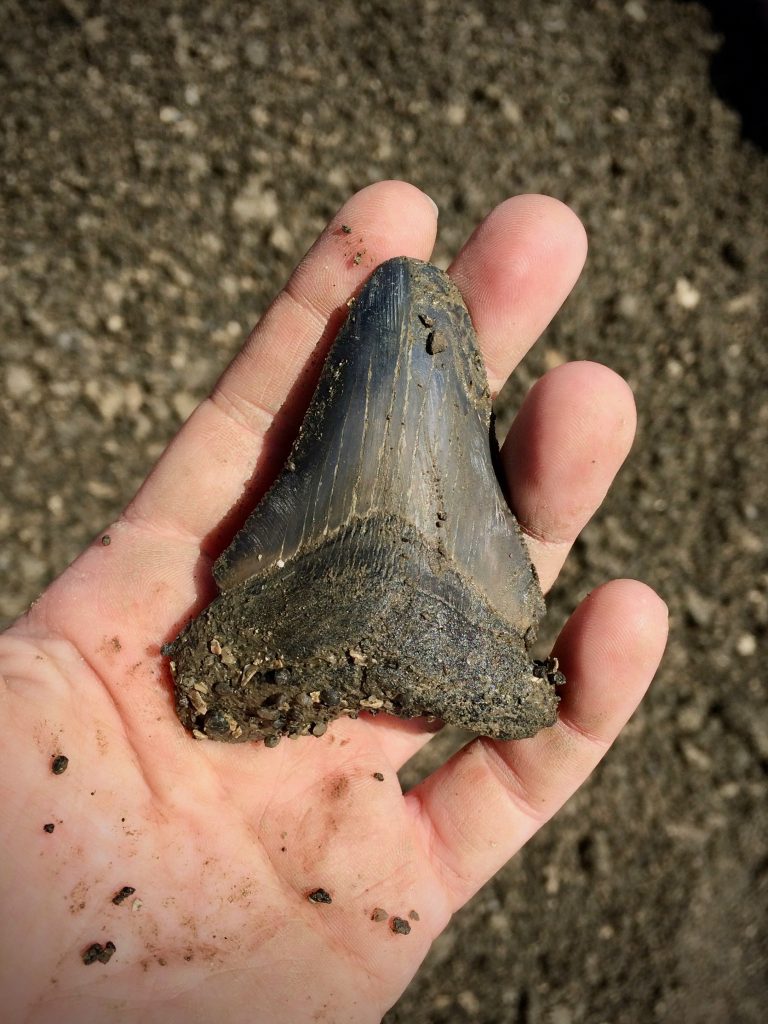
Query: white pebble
[(636, 11), (18, 380), (746, 645), (686, 295)]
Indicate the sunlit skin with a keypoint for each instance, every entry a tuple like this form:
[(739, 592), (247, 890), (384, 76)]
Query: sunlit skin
[(224, 843)]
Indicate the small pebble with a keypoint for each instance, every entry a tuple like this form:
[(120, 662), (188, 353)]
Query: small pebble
[(399, 926), (123, 894), (106, 540), (98, 952), (436, 343), (346, 229), (49, 828), (106, 954), (378, 776), (414, 915), (686, 294), (379, 914), (91, 955), (281, 238), (636, 11), (469, 1002), (19, 381), (59, 764), (319, 896), (746, 645)]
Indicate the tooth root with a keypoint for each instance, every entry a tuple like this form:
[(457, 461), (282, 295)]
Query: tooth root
[(387, 533)]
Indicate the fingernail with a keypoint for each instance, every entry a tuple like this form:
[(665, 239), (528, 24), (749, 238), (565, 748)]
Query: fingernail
[(434, 205)]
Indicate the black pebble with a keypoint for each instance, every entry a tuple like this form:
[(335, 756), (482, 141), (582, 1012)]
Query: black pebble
[(48, 828), (123, 894), (320, 896), (399, 926), (217, 724), (59, 764), (98, 952), (106, 954)]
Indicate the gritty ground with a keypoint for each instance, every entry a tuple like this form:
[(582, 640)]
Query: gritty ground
[(166, 164)]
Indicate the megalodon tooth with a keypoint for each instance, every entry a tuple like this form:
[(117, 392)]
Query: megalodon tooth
[(383, 570)]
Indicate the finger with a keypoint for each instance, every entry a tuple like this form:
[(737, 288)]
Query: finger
[(483, 804), (564, 448), (235, 441), (515, 272)]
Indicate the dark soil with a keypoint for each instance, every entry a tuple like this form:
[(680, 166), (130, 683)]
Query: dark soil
[(165, 165)]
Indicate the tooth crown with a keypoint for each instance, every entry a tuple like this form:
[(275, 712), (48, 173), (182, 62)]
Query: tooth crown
[(387, 535)]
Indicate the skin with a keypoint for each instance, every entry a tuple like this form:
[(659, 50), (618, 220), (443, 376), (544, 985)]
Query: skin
[(223, 843)]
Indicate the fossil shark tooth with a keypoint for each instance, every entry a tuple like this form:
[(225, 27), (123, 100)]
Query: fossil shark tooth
[(383, 570)]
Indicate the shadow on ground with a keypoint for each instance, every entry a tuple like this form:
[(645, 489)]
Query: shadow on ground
[(740, 67)]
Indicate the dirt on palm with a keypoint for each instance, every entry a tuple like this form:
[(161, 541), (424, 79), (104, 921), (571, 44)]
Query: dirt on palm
[(164, 167)]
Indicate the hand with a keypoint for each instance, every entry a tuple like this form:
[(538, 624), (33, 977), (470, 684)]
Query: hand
[(222, 844)]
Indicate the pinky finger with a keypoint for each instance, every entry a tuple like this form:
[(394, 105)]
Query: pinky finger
[(480, 807)]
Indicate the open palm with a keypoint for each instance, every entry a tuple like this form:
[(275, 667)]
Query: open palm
[(223, 844)]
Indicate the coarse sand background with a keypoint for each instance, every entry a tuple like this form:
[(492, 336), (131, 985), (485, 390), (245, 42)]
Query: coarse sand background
[(163, 167)]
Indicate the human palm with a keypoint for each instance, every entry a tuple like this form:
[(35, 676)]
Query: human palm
[(224, 844)]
